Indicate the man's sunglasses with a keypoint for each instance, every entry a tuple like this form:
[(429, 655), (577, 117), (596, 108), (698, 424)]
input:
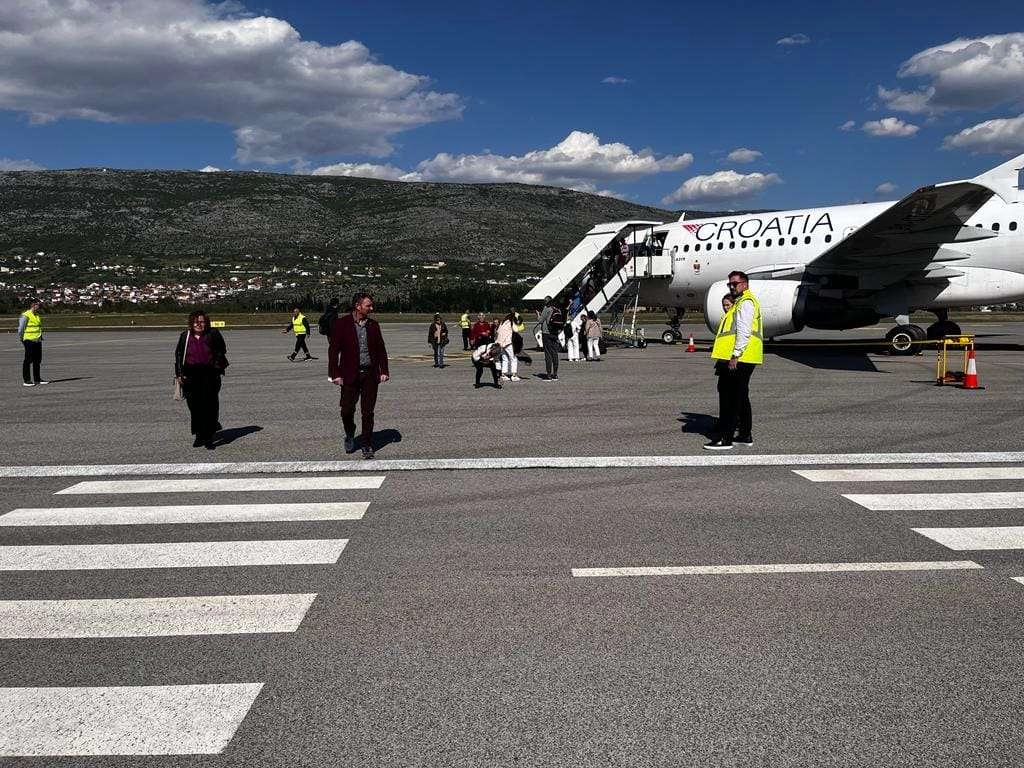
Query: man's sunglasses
[(734, 285)]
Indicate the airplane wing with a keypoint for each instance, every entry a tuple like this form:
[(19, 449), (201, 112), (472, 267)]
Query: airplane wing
[(906, 236)]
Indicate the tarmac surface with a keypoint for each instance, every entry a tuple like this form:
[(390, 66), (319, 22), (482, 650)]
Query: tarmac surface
[(486, 616)]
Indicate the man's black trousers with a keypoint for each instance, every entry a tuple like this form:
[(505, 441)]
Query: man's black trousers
[(734, 399), (33, 359)]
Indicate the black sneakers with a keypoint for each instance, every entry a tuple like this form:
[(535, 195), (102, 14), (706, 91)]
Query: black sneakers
[(350, 443), (367, 452), (744, 440), (718, 444)]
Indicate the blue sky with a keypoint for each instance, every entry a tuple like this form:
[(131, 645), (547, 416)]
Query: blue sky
[(645, 101)]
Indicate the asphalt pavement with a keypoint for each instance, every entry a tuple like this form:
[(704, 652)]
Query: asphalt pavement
[(699, 614)]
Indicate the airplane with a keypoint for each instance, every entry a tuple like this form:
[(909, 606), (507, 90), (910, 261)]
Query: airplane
[(953, 244)]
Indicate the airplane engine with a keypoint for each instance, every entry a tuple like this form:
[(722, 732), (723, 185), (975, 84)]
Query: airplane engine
[(778, 300)]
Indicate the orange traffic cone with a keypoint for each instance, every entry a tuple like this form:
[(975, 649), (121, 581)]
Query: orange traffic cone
[(691, 347), (971, 374)]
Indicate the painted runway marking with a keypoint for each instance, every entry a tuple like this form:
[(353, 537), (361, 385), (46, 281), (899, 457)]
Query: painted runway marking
[(153, 616), (122, 720), (1018, 579), (769, 568), (910, 502), (538, 462), (959, 539), (170, 515), (207, 485), (203, 554), (910, 474)]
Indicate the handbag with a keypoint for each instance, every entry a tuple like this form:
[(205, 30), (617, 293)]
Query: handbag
[(176, 392)]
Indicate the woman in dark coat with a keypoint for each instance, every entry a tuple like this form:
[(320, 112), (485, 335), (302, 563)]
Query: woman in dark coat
[(437, 337), (199, 361)]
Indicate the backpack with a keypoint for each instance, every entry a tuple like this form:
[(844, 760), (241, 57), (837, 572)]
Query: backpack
[(556, 322), (326, 320)]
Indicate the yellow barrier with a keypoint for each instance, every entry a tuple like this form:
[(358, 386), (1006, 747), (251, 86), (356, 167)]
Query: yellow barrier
[(218, 323), (942, 373)]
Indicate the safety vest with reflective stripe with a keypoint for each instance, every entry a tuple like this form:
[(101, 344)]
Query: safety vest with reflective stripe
[(33, 326), (299, 324), (725, 339), (464, 321)]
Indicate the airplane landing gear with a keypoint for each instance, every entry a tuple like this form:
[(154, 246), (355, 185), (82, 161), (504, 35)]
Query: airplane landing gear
[(903, 339), (671, 335), (942, 328)]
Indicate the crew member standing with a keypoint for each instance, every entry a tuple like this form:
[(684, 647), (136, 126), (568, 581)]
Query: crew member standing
[(30, 331), (480, 331), (299, 325), (464, 325), (358, 363), (739, 347)]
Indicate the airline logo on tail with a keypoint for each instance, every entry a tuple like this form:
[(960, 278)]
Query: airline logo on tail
[(691, 228)]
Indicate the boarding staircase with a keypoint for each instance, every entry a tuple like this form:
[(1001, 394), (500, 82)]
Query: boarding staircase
[(646, 261)]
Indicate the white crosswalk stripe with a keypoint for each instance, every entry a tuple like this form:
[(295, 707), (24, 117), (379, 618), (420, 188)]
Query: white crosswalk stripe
[(937, 501), (992, 537), (177, 514), (773, 568), (911, 474), (153, 616), (122, 720), (222, 485), (157, 719)]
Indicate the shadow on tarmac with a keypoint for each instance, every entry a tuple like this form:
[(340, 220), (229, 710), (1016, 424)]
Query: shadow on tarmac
[(228, 436), (385, 437), (698, 423), (827, 359), (71, 378)]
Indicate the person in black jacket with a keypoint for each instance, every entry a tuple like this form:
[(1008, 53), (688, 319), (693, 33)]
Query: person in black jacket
[(437, 337), (199, 361)]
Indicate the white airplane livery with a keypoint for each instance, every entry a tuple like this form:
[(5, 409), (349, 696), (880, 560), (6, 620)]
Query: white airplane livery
[(953, 244)]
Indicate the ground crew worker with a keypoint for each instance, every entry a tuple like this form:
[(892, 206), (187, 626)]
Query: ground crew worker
[(299, 325), (739, 346), (30, 331), (464, 325)]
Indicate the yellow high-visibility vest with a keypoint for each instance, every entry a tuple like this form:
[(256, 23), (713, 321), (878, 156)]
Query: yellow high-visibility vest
[(299, 324), (34, 326), (725, 339), (518, 325), (464, 321)]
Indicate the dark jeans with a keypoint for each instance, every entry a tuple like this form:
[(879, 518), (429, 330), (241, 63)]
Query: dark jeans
[(480, 371), (300, 344), (439, 355), (734, 399), (364, 391), (33, 359), (550, 343), (465, 339), (202, 393)]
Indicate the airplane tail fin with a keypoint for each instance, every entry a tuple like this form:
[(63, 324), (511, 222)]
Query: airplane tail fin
[(1006, 180)]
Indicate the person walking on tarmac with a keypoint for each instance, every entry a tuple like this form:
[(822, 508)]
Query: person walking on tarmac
[(358, 363), (464, 325), (738, 348), (299, 325), (30, 332)]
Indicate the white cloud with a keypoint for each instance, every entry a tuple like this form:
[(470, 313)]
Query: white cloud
[(723, 186), (744, 155), (209, 169), (165, 60), (613, 80), (798, 39), (7, 164), (849, 125), (967, 73), (885, 188), (889, 126), (1005, 136), (365, 170)]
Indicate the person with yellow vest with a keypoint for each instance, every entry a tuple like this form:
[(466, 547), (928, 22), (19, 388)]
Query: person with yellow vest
[(30, 331), (464, 325), (738, 349), (299, 325)]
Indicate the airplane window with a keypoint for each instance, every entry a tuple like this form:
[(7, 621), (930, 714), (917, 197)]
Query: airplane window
[(757, 243), (794, 241), (995, 227), (743, 244), (732, 243), (807, 240), (978, 226), (686, 249), (768, 243), (828, 238), (696, 247), (1013, 226)]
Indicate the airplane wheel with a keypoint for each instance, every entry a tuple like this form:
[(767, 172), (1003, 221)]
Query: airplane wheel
[(902, 340), (669, 337), (942, 328)]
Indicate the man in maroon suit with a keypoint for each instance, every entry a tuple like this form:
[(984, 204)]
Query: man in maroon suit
[(358, 364)]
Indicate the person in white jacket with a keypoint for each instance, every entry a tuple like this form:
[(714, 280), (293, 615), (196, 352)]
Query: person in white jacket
[(509, 363), (486, 356), (572, 342)]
